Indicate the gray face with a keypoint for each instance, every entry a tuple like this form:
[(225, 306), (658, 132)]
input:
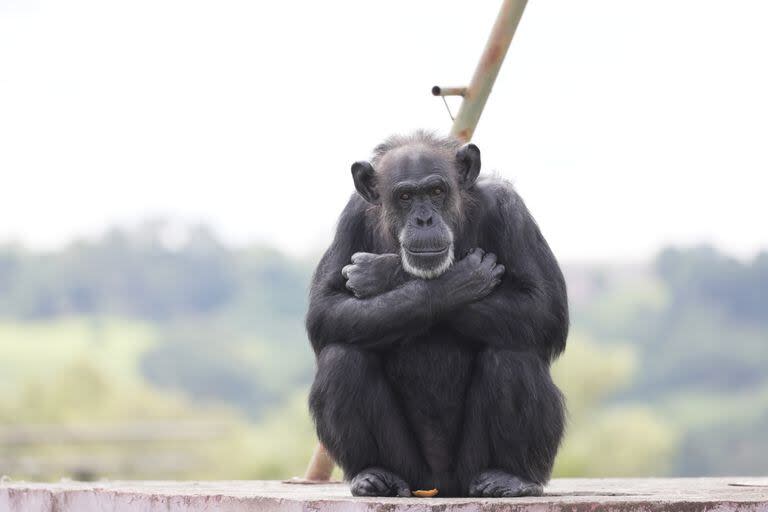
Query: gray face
[(419, 197)]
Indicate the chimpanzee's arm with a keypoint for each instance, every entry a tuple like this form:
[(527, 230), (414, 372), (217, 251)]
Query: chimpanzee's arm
[(371, 274), (336, 316), (373, 322), (529, 310)]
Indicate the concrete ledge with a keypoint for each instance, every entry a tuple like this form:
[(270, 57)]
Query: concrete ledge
[(571, 495)]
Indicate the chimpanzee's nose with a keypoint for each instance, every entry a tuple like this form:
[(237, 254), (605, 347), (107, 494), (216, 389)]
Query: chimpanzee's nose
[(424, 220)]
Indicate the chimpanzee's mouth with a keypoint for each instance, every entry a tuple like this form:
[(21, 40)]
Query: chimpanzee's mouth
[(427, 252), (426, 257)]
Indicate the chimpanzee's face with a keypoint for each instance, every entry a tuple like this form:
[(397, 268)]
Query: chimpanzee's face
[(419, 190), (421, 200)]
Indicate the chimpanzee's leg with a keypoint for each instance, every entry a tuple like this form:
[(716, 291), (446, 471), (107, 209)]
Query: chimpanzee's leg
[(360, 423), (514, 422)]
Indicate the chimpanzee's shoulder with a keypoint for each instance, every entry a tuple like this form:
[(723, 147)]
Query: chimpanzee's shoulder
[(497, 197), (358, 220), (356, 211), (356, 205)]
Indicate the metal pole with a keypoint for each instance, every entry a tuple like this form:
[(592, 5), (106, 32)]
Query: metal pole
[(320, 466), (319, 469), (476, 94)]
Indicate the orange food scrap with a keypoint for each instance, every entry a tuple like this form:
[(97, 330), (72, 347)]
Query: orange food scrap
[(425, 494)]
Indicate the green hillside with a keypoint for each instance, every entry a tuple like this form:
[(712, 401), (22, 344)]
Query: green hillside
[(666, 370)]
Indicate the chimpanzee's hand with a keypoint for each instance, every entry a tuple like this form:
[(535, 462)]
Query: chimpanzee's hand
[(473, 277), (373, 274)]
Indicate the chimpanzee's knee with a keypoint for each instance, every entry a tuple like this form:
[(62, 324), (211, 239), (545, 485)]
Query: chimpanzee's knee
[(357, 415), (336, 401), (340, 371), (340, 385), (523, 415)]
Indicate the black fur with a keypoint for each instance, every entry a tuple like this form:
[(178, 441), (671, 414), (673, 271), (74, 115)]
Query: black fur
[(442, 382)]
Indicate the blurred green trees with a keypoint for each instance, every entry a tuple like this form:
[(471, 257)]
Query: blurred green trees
[(666, 372), (603, 438), (85, 375)]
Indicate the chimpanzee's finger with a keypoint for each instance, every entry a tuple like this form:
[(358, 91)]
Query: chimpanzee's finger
[(489, 260), (361, 257), (477, 255)]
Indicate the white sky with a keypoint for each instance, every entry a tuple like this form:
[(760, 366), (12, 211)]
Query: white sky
[(626, 125)]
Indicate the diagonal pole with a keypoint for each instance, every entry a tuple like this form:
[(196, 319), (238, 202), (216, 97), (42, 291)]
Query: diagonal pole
[(476, 93), (475, 96)]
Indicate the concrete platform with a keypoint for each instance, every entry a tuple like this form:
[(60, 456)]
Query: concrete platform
[(571, 495)]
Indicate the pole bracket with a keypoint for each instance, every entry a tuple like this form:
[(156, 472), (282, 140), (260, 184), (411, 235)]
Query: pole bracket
[(449, 91)]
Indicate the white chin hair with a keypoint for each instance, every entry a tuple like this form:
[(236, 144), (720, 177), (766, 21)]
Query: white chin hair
[(428, 273)]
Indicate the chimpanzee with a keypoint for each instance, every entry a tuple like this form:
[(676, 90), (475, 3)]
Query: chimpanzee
[(434, 317)]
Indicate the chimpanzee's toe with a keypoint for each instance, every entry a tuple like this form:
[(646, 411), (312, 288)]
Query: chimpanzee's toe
[(500, 484), (378, 482)]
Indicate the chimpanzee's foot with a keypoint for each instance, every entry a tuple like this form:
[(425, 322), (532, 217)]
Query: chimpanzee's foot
[(500, 484), (378, 482)]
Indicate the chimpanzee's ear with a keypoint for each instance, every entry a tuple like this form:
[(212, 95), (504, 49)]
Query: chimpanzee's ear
[(365, 181), (468, 158)]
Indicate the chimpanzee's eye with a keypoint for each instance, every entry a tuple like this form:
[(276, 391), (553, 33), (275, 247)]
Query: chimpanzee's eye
[(405, 196), (437, 191)]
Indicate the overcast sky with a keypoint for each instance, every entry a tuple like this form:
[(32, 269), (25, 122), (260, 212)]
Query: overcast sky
[(625, 125)]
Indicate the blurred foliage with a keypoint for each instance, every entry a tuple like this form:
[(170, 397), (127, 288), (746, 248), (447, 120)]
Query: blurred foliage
[(705, 276), (702, 342), (286, 440), (617, 440), (80, 422), (666, 372), (31, 350)]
